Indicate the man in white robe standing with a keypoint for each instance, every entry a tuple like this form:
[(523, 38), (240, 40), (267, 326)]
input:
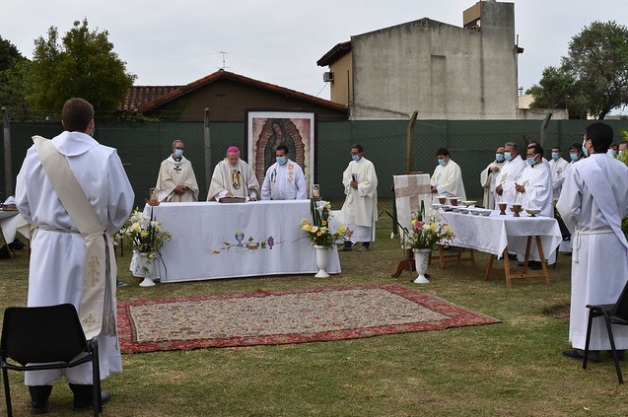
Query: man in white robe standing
[(488, 177), (593, 202), (57, 266), (233, 177), (284, 179), (534, 185), (558, 166), (359, 211), (447, 177), (176, 181), (505, 188)]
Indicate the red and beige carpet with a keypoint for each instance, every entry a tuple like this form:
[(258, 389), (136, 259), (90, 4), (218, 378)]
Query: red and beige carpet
[(281, 317)]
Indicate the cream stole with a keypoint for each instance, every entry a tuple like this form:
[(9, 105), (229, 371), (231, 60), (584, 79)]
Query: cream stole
[(97, 298)]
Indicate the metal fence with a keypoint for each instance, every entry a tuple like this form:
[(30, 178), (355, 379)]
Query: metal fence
[(472, 144)]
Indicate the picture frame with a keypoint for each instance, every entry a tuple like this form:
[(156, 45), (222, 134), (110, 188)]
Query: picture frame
[(268, 129)]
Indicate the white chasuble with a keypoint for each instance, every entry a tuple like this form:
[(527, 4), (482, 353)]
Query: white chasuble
[(448, 181), (239, 180), (173, 173), (359, 211)]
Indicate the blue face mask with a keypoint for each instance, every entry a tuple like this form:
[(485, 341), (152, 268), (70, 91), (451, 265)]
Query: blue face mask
[(573, 156), (584, 150), (281, 160), (356, 158), (442, 162), (531, 161), (507, 156), (178, 152), (612, 152), (499, 157), (555, 155)]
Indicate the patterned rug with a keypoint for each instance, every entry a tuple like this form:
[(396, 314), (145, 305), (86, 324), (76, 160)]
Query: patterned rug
[(281, 317)]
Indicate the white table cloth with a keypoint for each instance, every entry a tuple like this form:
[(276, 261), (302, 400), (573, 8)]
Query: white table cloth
[(8, 224), (494, 233), (213, 240)]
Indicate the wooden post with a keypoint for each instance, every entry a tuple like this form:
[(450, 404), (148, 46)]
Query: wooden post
[(8, 169), (208, 153), (409, 147)]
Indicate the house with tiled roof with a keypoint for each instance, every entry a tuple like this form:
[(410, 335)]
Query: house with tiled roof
[(228, 96)]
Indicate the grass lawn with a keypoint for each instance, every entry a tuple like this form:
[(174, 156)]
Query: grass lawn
[(510, 369)]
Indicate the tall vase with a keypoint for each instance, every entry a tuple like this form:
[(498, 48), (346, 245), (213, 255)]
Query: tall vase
[(421, 258), (145, 265), (322, 260)]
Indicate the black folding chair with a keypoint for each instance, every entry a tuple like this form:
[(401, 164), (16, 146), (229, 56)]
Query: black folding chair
[(613, 314), (40, 338)]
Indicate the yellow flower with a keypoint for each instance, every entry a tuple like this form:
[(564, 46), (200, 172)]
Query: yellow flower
[(144, 233), (433, 227), (324, 222)]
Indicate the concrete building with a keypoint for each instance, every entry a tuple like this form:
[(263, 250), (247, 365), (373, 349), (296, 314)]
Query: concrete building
[(440, 70)]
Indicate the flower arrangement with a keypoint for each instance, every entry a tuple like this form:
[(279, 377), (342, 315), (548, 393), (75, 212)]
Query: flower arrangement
[(426, 232), (144, 233), (318, 231)]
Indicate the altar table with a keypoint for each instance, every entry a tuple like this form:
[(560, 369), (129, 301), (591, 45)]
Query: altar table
[(532, 237), (8, 227), (213, 240)]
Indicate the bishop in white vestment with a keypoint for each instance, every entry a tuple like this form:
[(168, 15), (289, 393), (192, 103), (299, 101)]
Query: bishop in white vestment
[(233, 177), (176, 181), (592, 204), (58, 250)]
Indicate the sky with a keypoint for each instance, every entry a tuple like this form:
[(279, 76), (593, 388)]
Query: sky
[(279, 41)]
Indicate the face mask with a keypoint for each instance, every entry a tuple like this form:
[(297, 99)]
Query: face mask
[(531, 161), (620, 153), (356, 158), (499, 157), (573, 156), (507, 156), (584, 150), (441, 162), (178, 152), (281, 160), (612, 152), (554, 155)]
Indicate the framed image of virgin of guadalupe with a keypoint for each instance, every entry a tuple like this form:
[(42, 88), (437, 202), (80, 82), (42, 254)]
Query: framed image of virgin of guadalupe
[(268, 129)]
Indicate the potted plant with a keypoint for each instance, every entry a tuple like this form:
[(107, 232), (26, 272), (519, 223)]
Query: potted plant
[(147, 237), (323, 238)]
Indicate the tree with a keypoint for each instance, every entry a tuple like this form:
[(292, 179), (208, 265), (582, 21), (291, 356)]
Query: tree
[(14, 70), (83, 65), (593, 79)]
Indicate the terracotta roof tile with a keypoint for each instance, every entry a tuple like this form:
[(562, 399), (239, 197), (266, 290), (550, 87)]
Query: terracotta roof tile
[(139, 95)]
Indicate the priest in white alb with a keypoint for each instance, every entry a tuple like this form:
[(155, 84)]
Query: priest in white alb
[(447, 177), (488, 177), (505, 184), (558, 166), (359, 211), (77, 195), (593, 202), (176, 181), (534, 185), (233, 178)]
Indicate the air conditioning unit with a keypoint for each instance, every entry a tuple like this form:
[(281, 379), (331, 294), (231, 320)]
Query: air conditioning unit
[(328, 77)]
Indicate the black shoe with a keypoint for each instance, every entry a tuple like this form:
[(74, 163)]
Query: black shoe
[(512, 257), (121, 284), (84, 394), (39, 398), (594, 356)]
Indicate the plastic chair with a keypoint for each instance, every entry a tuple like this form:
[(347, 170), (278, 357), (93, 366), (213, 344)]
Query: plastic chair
[(40, 338), (613, 314)]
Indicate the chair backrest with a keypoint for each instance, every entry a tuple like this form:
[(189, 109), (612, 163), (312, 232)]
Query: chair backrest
[(621, 307), (42, 334)]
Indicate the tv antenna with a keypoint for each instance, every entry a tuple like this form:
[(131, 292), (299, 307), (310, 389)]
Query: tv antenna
[(224, 60)]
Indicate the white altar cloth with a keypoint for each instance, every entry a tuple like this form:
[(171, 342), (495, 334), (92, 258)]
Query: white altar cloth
[(494, 233), (213, 240), (8, 224)]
